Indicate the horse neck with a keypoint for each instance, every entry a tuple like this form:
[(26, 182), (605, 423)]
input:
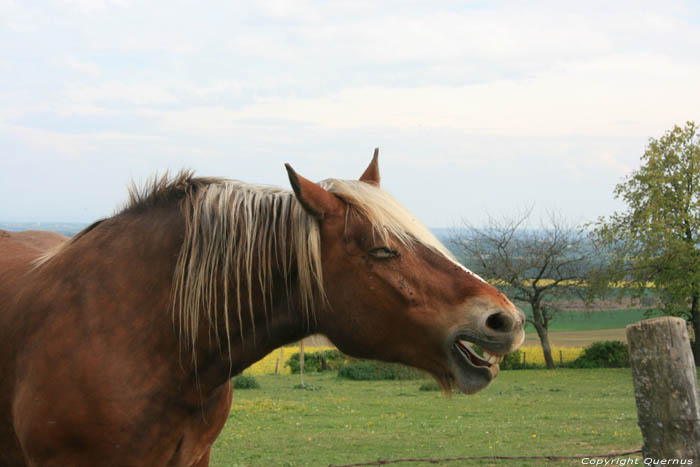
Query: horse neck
[(264, 316)]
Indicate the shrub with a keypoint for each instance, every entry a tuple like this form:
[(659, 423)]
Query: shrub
[(430, 386), (512, 361), (359, 371), (326, 360), (607, 354), (307, 387), (245, 382), (366, 370)]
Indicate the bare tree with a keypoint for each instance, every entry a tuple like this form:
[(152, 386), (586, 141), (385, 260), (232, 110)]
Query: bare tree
[(538, 266)]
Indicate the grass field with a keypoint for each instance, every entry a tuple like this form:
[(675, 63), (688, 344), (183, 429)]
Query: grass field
[(533, 412), (581, 328), (592, 320)]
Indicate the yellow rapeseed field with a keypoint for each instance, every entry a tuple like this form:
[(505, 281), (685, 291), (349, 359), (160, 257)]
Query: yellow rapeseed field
[(576, 283), (277, 358), (533, 353)]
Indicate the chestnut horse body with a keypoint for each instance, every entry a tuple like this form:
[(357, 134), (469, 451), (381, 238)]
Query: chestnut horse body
[(117, 347)]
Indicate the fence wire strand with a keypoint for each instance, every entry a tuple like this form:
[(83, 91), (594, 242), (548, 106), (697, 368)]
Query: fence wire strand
[(465, 458)]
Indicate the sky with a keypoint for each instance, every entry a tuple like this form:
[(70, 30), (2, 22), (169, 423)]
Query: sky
[(479, 108)]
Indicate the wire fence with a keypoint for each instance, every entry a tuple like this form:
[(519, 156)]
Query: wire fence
[(428, 460)]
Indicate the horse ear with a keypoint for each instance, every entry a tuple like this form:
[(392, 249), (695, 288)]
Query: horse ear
[(315, 200), (371, 174)]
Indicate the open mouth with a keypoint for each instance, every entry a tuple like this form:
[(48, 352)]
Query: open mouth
[(472, 372), (472, 357)]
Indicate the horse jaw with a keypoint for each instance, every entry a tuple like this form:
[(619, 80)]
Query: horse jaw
[(471, 373)]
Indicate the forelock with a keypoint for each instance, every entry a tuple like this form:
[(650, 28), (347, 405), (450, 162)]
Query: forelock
[(384, 213)]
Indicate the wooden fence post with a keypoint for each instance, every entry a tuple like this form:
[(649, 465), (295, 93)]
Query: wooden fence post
[(666, 388), (301, 360)]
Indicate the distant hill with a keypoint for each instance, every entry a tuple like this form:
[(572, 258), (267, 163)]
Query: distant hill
[(446, 234), (65, 228)]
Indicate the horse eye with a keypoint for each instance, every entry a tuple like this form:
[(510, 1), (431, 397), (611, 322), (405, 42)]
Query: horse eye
[(383, 252)]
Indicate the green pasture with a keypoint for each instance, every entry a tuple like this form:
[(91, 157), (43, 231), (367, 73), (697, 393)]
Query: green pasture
[(533, 412), (581, 328), (592, 320)]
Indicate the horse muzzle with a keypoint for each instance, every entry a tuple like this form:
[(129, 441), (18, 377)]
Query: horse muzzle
[(479, 345)]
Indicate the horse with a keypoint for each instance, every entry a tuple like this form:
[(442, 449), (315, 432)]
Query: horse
[(16, 244), (117, 347)]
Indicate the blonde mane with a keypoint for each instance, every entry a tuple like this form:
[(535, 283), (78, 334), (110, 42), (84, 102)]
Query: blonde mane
[(237, 235)]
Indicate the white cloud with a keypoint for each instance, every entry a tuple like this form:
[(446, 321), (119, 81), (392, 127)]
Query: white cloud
[(607, 96), (562, 91), (137, 94), (66, 146), (286, 10), (69, 146), (606, 159), (88, 7), (87, 68)]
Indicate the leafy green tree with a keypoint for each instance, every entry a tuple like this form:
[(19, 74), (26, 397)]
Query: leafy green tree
[(655, 243)]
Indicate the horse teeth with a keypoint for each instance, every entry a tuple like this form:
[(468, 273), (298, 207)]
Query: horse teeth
[(492, 358), (489, 357)]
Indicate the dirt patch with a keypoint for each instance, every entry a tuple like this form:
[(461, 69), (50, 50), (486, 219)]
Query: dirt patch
[(317, 340)]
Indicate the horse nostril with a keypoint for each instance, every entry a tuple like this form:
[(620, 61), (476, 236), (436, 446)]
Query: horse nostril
[(500, 321)]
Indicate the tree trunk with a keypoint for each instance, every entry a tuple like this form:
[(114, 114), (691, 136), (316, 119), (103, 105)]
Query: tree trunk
[(695, 321), (543, 334)]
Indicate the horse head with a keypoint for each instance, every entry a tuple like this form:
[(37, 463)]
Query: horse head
[(393, 292)]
